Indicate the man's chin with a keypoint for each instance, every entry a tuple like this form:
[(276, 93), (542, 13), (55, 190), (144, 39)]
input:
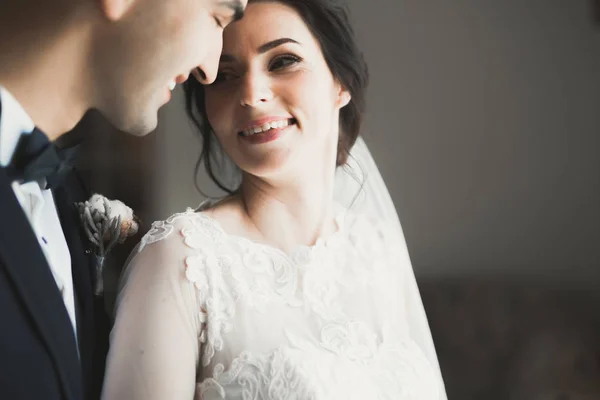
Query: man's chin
[(141, 132), (133, 121), (140, 127)]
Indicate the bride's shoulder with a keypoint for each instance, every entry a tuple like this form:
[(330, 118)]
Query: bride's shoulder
[(179, 227), (163, 257), (171, 242)]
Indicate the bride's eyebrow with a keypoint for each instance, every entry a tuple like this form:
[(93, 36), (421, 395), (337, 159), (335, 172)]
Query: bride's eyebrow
[(263, 48), (274, 43)]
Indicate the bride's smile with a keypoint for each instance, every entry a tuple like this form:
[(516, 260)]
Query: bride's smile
[(274, 105), (266, 129)]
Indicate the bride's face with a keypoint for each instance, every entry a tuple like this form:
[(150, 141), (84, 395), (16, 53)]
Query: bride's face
[(274, 106)]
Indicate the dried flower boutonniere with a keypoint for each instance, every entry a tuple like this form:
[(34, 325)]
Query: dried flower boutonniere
[(106, 223)]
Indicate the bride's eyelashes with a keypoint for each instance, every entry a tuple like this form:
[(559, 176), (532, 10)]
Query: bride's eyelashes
[(224, 76), (276, 64), (284, 61)]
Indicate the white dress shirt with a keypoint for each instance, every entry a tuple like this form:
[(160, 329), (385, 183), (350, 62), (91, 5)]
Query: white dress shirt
[(37, 202)]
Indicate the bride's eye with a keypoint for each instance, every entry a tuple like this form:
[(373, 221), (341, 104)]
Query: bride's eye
[(284, 61), (224, 76)]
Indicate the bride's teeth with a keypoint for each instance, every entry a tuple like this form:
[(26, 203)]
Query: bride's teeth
[(265, 127), (172, 85)]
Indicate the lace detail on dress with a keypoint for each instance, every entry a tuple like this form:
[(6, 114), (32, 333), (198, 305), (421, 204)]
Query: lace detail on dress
[(253, 269), (323, 322), (351, 339), (390, 372), (273, 376), (160, 230)]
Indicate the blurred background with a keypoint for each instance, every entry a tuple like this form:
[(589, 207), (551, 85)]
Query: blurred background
[(484, 119)]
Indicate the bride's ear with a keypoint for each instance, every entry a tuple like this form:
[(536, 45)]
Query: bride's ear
[(343, 97), (114, 10)]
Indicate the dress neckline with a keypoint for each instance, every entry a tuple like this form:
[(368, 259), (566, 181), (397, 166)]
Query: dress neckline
[(301, 253)]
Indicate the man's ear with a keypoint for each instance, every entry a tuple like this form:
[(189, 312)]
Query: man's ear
[(114, 10)]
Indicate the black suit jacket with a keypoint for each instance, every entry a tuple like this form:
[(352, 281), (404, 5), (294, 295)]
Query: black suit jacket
[(38, 349)]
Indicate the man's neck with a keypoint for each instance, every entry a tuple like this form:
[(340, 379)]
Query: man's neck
[(47, 76)]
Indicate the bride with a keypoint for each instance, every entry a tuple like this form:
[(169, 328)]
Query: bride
[(298, 284)]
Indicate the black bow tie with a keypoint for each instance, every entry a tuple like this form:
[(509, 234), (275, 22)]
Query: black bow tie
[(36, 158)]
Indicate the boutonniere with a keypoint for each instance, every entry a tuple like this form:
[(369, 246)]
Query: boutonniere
[(105, 223)]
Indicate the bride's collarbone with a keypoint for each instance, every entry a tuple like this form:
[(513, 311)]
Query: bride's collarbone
[(232, 220)]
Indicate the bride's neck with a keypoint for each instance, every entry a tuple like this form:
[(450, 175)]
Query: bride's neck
[(46, 72), (287, 216)]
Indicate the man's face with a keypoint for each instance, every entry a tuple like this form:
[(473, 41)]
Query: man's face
[(155, 44)]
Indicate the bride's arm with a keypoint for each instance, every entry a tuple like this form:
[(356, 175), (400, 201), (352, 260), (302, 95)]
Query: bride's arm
[(154, 343)]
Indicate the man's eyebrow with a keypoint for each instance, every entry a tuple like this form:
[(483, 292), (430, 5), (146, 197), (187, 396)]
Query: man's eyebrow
[(236, 6)]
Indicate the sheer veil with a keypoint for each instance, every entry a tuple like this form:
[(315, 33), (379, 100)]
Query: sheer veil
[(359, 186)]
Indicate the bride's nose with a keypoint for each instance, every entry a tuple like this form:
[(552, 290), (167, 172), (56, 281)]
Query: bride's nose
[(255, 89)]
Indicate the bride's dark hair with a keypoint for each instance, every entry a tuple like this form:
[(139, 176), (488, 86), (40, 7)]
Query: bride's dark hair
[(329, 23)]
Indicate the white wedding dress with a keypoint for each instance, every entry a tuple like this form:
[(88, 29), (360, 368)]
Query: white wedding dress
[(208, 315)]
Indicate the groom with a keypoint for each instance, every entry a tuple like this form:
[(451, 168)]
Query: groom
[(59, 58)]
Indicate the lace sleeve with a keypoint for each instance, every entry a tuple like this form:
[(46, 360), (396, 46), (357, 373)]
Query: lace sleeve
[(154, 344)]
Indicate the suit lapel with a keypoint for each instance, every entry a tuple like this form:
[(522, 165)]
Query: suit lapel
[(80, 269), (28, 269)]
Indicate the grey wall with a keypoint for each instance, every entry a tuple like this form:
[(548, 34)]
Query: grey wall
[(484, 117)]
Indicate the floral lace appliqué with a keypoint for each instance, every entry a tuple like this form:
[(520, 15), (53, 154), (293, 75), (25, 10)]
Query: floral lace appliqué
[(248, 293)]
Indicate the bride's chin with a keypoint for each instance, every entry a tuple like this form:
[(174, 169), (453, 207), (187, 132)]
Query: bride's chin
[(269, 167)]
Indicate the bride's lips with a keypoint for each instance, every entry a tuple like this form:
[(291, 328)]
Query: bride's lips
[(265, 130)]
